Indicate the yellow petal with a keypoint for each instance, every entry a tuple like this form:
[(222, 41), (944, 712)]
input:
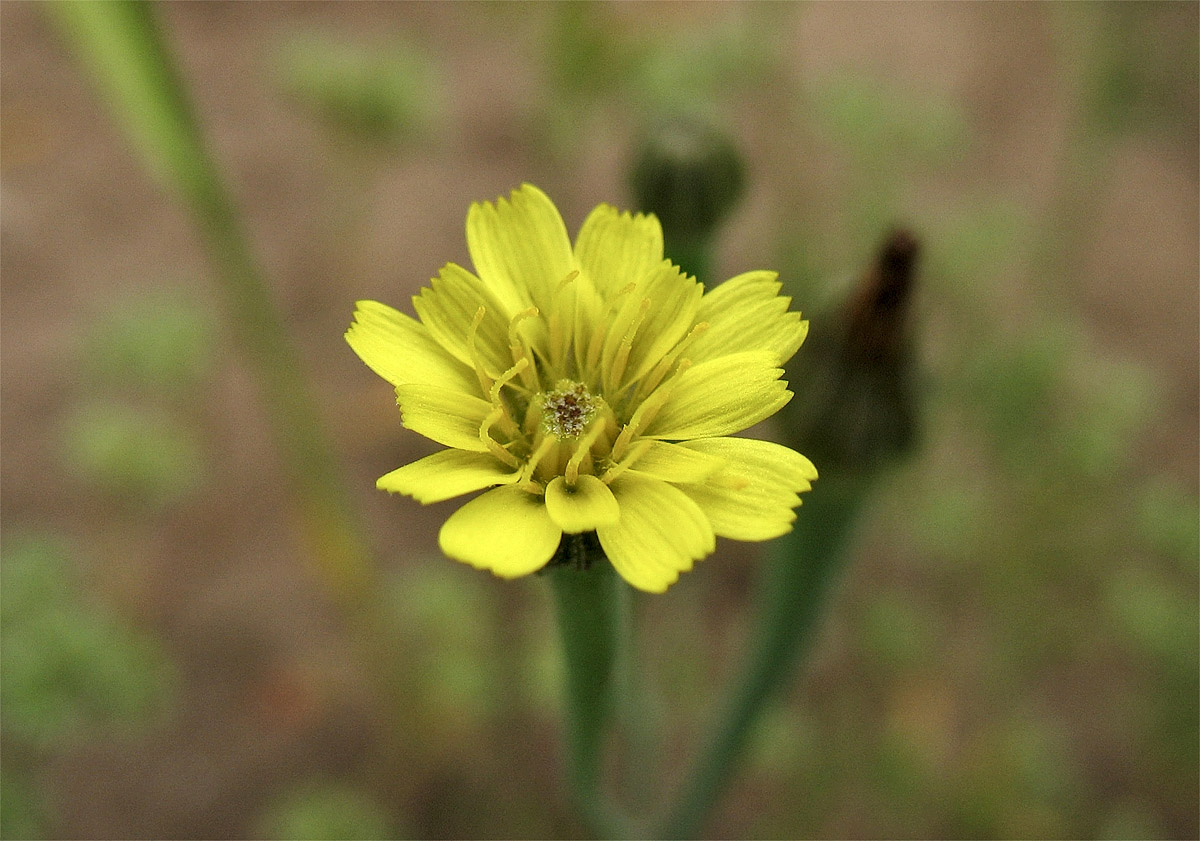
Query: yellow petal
[(753, 497), (443, 415), (660, 534), (771, 463), (615, 248), (673, 463), (447, 474), (722, 396), (447, 308), (747, 313), (505, 530), (675, 301), (741, 516), (662, 308), (585, 507), (400, 349), (520, 247)]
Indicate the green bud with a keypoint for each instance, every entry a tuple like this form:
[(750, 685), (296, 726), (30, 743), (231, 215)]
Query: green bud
[(689, 174)]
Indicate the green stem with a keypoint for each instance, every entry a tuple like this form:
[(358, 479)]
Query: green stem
[(121, 43), (592, 615), (796, 583)]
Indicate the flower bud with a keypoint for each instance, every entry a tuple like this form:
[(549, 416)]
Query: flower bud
[(858, 371), (689, 174)]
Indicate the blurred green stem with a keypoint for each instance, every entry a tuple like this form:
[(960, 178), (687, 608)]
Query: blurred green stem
[(794, 589), (122, 45), (593, 615)]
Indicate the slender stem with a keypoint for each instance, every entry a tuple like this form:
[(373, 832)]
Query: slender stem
[(121, 43), (639, 770), (592, 616), (795, 586)]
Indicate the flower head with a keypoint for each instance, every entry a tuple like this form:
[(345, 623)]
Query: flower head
[(590, 388)]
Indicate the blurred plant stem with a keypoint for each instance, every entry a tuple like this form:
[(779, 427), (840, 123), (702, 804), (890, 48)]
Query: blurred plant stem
[(857, 418), (122, 45), (593, 612), (796, 581)]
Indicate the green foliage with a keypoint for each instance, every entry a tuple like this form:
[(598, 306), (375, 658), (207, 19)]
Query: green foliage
[(136, 454), (584, 59), (1132, 81), (1044, 391), (158, 340), (1168, 519), (708, 64), (68, 665), (448, 615), (156, 350), (599, 62), (885, 136), (1153, 613), (897, 634), (325, 811), (882, 125), (22, 812), (973, 247), (383, 95)]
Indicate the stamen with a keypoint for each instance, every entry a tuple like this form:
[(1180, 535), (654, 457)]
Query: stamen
[(494, 446), (651, 381), (646, 412), (505, 379), (559, 337), (535, 458), (596, 345), (494, 394), (562, 284), (582, 449), (485, 382), (617, 370), (635, 452), (518, 349)]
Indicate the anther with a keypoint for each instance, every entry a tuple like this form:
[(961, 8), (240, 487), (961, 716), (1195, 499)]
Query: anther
[(567, 411)]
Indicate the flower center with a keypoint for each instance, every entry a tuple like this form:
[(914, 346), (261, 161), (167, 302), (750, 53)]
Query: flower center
[(568, 409)]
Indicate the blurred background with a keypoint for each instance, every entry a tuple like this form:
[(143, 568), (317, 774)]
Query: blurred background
[(1013, 649)]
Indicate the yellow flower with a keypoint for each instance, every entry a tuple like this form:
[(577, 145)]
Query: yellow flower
[(591, 388)]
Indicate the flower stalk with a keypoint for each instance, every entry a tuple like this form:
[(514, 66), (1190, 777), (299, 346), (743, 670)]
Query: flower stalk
[(121, 43), (800, 572), (859, 421), (592, 612)]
